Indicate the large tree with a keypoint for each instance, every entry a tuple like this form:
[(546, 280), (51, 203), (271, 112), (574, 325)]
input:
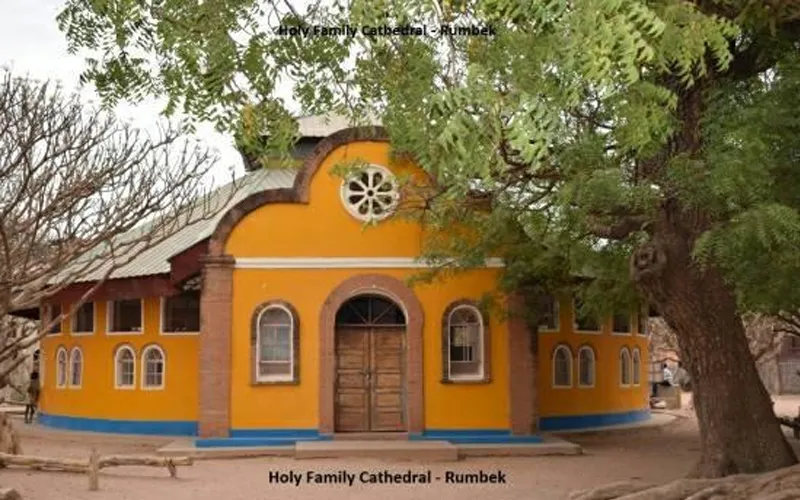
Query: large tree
[(652, 143), (81, 194)]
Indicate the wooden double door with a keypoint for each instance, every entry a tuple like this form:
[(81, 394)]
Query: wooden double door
[(370, 379)]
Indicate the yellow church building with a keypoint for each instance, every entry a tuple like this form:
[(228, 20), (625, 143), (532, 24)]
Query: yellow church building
[(285, 319)]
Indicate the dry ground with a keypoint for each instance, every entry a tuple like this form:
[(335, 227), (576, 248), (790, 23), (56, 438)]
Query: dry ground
[(651, 454)]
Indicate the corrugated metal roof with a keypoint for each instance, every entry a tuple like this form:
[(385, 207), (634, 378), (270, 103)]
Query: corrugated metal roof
[(155, 260)]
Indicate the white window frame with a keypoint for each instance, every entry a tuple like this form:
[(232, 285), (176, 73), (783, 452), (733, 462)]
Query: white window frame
[(627, 363), (557, 312), (48, 313), (575, 321), (636, 375), (277, 377), (62, 370), (161, 331), (641, 320), (109, 318), (481, 340), (630, 327), (145, 351), (71, 362), (590, 350), (74, 320), (558, 348), (117, 352)]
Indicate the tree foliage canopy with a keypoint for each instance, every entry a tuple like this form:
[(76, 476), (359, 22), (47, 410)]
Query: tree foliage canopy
[(569, 116)]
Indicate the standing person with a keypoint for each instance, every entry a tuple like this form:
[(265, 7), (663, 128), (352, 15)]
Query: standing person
[(33, 396), (668, 377)]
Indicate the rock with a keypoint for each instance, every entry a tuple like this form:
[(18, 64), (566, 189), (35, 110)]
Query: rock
[(9, 494)]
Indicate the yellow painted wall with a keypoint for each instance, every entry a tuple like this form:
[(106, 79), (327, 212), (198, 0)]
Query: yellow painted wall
[(607, 395), (97, 397), (323, 228)]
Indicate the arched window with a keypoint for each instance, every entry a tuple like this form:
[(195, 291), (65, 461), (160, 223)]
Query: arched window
[(275, 344), (124, 368), (61, 367), (586, 367), (153, 365), (75, 367), (624, 366), (637, 366), (465, 341), (562, 367)]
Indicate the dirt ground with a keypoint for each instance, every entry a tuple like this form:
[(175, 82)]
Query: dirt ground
[(656, 455)]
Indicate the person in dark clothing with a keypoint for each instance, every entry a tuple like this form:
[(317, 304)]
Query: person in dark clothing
[(33, 397)]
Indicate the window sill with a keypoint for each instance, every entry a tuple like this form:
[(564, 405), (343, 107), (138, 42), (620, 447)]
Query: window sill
[(288, 381), (81, 334), (588, 332), (467, 381), (622, 334), (178, 334), (133, 332)]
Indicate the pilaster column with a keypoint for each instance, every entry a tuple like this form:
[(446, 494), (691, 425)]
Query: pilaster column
[(214, 358)]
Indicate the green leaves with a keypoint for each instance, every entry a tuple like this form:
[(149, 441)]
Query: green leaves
[(572, 115)]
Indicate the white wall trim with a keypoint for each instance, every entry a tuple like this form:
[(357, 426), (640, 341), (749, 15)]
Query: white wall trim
[(340, 262)]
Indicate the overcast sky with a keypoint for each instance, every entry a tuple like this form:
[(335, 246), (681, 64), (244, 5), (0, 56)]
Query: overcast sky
[(31, 43)]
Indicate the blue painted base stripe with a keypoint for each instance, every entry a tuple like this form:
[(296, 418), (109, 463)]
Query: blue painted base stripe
[(576, 422), (274, 433), (147, 427), (474, 436)]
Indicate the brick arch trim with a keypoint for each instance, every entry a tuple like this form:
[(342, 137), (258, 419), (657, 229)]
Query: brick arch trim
[(397, 291), (299, 192)]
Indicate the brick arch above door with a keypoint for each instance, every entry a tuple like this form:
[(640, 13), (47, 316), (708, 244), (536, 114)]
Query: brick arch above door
[(396, 290)]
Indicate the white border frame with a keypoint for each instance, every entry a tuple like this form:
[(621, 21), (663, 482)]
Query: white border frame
[(161, 316), (59, 371), (481, 344), (575, 322), (622, 334), (275, 378), (636, 353), (109, 312), (625, 350), (71, 366), (117, 351), (74, 317), (553, 384), (557, 302), (396, 195), (594, 367), (142, 383)]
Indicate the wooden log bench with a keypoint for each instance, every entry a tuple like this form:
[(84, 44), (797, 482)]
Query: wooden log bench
[(95, 463)]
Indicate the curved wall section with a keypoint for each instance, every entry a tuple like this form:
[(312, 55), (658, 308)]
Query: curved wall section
[(608, 398), (95, 401)]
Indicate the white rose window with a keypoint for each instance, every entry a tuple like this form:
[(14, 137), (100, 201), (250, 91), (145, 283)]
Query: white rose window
[(370, 194)]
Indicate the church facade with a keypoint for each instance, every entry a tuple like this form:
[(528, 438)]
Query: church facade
[(286, 319)]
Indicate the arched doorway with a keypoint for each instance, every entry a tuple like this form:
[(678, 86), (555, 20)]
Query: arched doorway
[(370, 386)]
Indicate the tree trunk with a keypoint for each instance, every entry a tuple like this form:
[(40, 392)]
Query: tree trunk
[(738, 428)]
